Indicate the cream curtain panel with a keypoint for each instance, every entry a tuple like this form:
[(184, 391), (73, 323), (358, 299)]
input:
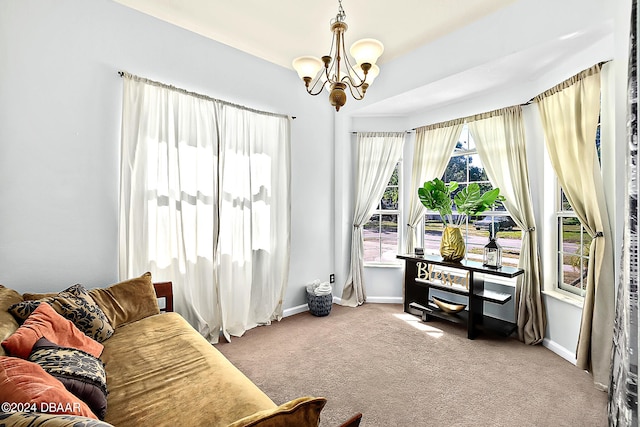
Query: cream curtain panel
[(432, 151), (569, 115), (204, 202), (378, 154), (254, 239), (500, 141)]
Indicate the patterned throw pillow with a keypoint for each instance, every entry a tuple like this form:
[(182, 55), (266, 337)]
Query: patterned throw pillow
[(46, 322), (81, 373), (74, 304), (26, 383), (37, 419)]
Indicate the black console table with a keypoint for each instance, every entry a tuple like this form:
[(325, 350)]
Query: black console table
[(417, 282)]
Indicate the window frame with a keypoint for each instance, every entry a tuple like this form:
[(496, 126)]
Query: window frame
[(468, 223), (560, 213), (398, 212)]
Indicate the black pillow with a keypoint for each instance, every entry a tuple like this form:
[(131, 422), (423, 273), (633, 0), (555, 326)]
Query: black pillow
[(80, 372)]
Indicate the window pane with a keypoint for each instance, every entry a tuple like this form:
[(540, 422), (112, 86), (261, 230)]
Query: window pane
[(507, 233), (511, 242), (586, 242), (471, 142), (475, 239), (573, 243), (573, 255), (390, 198), (432, 233), (381, 232), (476, 170), (564, 203), (456, 169), (465, 167), (570, 231), (567, 272), (389, 238), (371, 232)]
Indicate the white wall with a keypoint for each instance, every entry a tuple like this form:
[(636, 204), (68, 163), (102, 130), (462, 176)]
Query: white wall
[(60, 107)]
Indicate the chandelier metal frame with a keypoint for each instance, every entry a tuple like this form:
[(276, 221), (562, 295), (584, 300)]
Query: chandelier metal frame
[(336, 71)]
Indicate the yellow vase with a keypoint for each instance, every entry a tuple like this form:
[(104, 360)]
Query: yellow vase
[(452, 244)]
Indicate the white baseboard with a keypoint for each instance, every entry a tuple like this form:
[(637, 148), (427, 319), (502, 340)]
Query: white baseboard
[(560, 351), (375, 300), (337, 300), (295, 310), (385, 300)]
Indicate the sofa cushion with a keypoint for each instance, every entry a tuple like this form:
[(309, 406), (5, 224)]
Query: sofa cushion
[(127, 301), (8, 324), (75, 304), (81, 373), (159, 367), (46, 322), (304, 411), (26, 383), (29, 419)]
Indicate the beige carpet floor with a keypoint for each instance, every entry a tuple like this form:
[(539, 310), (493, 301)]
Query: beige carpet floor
[(398, 371)]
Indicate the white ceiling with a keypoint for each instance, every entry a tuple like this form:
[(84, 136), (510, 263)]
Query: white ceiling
[(281, 30)]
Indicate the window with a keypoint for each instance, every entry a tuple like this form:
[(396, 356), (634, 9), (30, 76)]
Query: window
[(573, 249), (465, 167), (381, 237), (573, 243)]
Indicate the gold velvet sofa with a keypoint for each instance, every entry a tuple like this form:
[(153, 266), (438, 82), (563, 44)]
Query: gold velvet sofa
[(159, 370)]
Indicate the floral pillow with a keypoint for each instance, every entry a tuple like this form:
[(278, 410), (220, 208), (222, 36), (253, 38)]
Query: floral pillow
[(26, 387), (81, 373), (37, 419), (46, 322), (74, 304)]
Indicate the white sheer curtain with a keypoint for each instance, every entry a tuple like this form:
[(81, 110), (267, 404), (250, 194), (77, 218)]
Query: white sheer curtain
[(254, 243), (569, 115), (432, 151), (499, 138), (204, 202), (378, 154)]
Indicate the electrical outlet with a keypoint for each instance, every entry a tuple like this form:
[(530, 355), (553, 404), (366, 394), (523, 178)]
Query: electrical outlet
[(332, 278)]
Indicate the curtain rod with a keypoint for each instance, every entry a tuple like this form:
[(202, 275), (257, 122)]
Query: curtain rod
[(368, 131), (166, 86), (529, 102)]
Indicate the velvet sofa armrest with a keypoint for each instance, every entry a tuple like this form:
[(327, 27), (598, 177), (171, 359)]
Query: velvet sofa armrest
[(300, 412), (34, 419)]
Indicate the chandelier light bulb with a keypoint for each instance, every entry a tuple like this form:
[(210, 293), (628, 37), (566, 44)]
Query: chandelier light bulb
[(371, 74), (307, 66), (366, 51)]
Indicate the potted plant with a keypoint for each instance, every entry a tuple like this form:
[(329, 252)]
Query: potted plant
[(469, 201)]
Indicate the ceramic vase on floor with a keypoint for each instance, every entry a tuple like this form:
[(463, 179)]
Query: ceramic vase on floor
[(452, 246)]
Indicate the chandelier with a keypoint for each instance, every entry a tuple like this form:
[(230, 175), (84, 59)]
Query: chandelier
[(339, 73)]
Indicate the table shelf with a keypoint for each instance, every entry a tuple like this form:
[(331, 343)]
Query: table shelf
[(417, 294)]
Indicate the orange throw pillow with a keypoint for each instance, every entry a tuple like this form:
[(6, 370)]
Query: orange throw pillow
[(29, 388), (46, 322)]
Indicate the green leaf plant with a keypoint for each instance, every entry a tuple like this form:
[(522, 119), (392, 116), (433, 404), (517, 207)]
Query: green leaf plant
[(435, 195)]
